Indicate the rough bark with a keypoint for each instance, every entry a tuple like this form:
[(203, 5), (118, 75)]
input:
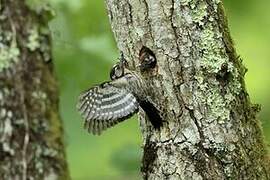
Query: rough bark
[(210, 130), (31, 134)]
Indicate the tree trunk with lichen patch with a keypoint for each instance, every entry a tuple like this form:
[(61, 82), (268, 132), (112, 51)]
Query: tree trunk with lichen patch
[(210, 129), (31, 134)]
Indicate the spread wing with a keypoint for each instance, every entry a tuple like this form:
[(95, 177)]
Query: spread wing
[(106, 105)]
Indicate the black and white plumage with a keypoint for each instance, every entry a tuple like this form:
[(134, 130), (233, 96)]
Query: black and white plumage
[(105, 105), (147, 59)]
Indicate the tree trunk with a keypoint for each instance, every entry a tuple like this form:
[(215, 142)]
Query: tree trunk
[(31, 134), (210, 129)]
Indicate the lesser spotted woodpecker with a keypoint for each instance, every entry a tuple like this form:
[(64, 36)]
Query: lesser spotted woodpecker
[(111, 102)]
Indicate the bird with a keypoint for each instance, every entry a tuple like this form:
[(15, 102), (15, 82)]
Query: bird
[(147, 59), (105, 105)]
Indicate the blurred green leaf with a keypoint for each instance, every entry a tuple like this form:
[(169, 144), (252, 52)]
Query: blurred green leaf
[(41, 7), (127, 158)]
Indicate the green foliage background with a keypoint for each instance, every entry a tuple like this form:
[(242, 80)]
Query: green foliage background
[(84, 50)]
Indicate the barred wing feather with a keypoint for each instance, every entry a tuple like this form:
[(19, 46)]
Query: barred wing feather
[(106, 105)]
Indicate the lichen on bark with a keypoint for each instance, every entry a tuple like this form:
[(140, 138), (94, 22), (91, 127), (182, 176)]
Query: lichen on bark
[(211, 130), (31, 134)]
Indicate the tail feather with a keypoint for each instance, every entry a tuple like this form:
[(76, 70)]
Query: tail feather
[(153, 114)]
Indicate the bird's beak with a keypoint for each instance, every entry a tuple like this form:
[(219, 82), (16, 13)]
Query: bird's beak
[(144, 66)]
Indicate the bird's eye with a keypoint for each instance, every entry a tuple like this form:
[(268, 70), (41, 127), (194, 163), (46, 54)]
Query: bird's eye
[(118, 72)]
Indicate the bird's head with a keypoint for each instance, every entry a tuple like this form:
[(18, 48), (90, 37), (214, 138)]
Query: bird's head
[(147, 59), (119, 69)]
